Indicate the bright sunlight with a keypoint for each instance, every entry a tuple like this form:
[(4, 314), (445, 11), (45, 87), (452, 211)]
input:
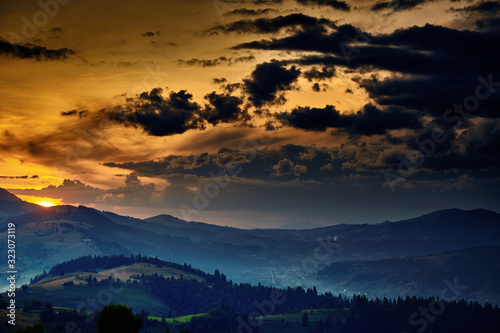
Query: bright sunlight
[(42, 201)]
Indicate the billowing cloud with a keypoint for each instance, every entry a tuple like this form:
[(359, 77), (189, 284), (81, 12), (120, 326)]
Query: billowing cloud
[(223, 108), (267, 80), (174, 114), (71, 191), (254, 164), (74, 192), (159, 116), (286, 167), (316, 74), (368, 121)]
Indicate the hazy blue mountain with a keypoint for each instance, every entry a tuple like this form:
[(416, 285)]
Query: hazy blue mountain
[(476, 269)]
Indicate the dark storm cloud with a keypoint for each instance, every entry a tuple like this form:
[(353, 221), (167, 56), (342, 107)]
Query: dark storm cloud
[(270, 25), (476, 148), (316, 74), (223, 108), (267, 80), (215, 62), (176, 113), (200, 164), (336, 4), (34, 52), (488, 23), (398, 5), (368, 121), (288, 162), (159, 116), (436, 94), (440, 66), (250, 12), (417, 50)]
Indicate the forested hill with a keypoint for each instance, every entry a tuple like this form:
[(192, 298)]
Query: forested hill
[(183, 295), (192, 291)]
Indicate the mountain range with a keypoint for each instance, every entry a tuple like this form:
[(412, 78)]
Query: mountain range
[(281, 257)]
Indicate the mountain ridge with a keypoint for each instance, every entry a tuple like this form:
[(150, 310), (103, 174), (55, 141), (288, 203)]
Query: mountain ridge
[(7, 196), (47, 236)]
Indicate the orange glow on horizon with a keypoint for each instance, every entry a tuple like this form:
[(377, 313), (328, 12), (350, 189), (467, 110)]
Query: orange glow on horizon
[(41, 201), (46, 204)]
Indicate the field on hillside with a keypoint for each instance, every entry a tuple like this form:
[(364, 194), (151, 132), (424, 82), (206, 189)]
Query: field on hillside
[(123, 273)]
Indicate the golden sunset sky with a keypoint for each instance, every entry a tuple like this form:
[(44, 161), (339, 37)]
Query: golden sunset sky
[(82, 119)]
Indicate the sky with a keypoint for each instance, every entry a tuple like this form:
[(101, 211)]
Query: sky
[(252, 113)]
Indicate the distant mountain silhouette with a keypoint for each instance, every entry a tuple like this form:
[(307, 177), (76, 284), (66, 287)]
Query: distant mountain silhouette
[(300, 225), (7, 196), (10, 205)]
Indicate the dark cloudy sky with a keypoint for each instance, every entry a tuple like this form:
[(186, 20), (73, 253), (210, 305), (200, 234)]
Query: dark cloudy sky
[(252, 113)]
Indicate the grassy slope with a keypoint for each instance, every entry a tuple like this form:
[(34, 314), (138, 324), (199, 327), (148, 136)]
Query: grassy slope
[(136, 296)]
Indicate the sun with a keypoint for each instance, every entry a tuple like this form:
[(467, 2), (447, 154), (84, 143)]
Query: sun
[(46, 204)]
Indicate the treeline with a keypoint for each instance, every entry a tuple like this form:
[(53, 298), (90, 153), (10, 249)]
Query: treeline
[(62, 321), (364, 315), (361, 316), (191, 296)]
